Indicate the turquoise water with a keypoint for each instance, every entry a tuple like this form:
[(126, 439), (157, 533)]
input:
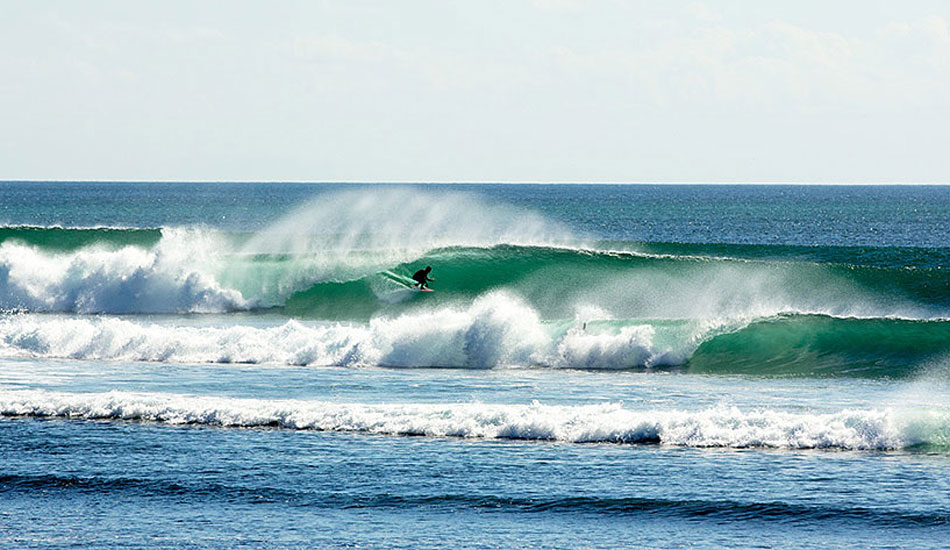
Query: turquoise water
[(238, 366)]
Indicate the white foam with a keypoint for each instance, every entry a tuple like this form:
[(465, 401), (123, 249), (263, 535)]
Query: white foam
[(173, 276), (876, 429), (497, 329)]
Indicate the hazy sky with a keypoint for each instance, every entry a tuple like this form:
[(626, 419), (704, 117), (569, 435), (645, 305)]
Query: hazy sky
[(543, 90)]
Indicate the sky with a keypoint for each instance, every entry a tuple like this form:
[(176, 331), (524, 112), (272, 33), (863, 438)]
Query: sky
[(484, 91)]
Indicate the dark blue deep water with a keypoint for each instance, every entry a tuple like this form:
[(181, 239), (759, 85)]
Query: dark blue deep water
[(851, 215)]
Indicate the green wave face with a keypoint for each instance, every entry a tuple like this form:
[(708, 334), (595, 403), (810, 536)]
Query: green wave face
[(815, 345), (68, 239), (557, 281)]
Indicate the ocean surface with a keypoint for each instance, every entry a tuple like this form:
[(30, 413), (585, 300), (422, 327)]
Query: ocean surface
[(220, 365)]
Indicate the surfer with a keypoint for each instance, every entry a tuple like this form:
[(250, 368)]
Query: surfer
[(422, 278)]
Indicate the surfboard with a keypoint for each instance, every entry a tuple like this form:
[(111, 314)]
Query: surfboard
[(402, 280), (398, 279)]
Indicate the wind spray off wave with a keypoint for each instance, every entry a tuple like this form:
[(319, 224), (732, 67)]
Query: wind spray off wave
[(334, 238)]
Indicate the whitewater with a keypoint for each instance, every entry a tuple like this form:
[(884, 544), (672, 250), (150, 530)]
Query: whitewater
[(607, 423), (722, 363)]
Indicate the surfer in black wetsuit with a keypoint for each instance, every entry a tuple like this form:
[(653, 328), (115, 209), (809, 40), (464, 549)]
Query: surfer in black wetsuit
[(421, 277)]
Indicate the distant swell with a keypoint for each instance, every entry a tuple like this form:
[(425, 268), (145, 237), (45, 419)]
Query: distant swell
[(73, 238), (883, 429), (451, 501), (722, 510)]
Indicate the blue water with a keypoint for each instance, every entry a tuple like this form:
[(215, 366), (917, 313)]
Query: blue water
[(853, 215), (756, 366)]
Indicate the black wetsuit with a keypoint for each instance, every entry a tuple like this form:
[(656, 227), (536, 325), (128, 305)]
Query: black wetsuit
[(421, 277)]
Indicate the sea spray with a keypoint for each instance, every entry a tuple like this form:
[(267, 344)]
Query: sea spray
[(346, 235), (398, 220), (176, 275)]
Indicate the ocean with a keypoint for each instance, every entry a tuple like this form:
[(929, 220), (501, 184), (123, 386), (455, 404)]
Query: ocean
[(245, 365)]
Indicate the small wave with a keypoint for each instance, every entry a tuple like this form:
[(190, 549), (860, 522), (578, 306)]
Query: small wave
[(630, 506), (627, 506), (876, 429)]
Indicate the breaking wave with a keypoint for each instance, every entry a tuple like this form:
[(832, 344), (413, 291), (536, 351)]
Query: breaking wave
[(500, 330), (876, 429), (174, 275), (195, 270)]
